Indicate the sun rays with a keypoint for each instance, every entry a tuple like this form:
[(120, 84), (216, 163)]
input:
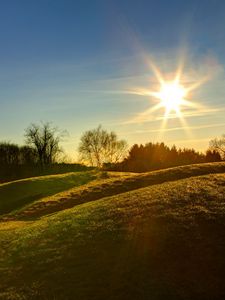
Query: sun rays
[(172, 95)]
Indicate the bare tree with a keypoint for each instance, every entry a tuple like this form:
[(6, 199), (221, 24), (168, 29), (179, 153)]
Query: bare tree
[(98, 146), (114, 150), (218, 145), (45, 139)]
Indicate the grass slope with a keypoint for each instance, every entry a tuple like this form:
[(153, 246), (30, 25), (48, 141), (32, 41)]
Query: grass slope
[(16, 194), (164, 241), (112, 186)]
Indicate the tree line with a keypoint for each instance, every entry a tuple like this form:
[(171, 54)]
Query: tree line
[(153, 156), (98, 148), (41, 154)]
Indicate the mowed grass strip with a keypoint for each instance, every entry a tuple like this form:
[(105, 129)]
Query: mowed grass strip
[(165, 241), (112, 186)]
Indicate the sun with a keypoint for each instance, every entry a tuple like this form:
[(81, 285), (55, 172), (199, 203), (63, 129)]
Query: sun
[(171, 96)]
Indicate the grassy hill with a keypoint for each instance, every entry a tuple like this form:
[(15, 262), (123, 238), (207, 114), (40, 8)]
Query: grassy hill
[(161, 241), (115, 183), (17, 194)]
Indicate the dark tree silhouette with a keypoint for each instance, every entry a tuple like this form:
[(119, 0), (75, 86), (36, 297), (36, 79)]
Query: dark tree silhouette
[(15, 161), (143, 158), (9, 154), (45, 139), (212, 155)]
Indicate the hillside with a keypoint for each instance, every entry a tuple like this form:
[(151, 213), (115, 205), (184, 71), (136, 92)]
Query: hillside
[(162, 241), (15, 195), (98, 187)]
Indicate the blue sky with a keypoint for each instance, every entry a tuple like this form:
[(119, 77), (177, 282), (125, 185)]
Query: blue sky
[(72, 63)]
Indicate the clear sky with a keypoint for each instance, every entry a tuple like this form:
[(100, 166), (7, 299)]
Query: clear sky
[(80, 63)]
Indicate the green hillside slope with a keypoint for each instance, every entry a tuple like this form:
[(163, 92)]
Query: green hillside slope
[(17, 194), (164, 241), (115, 184)]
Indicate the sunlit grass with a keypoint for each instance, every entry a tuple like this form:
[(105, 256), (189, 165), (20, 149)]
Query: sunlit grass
[(99, 187), (23, 194), (160, 242), (16, 194)]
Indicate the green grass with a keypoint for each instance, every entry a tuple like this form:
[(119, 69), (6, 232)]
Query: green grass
[(164, 241), (16, 194), (115, 184), (22, 194)]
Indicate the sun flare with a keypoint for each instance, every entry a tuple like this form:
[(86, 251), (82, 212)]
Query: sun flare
[(172, 96)]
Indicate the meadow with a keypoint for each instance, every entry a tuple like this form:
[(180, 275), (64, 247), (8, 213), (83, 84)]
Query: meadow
[(157, 235)]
